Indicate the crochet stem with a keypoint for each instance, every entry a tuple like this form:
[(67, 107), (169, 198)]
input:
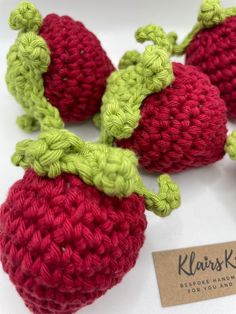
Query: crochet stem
[(111, 170), (211, 14), (179, 50), (166, 200), (25, 17), (155, 34), (47, 115)]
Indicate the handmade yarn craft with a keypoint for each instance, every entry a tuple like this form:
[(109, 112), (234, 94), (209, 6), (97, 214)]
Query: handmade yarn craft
[(211, 46), (169, 114), (73, 226), (56, 60), (230, 146)]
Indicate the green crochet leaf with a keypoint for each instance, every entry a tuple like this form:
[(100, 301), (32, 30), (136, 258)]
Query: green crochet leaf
[(139, 76), (27, 60), (110, 169)]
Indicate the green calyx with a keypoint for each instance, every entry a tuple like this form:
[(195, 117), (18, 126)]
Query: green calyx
[(211, 14), (230, 146), (140, 75), (27, 60), (111, 170)]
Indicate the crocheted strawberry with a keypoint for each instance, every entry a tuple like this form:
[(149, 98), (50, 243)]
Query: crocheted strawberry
[(55, 59), (168, 114), (74, 225), (211, 46)]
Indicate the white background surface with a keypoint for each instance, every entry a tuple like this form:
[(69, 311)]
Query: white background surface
[(208, 213)]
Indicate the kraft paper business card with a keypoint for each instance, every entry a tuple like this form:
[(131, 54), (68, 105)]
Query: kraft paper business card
[(196, 273)]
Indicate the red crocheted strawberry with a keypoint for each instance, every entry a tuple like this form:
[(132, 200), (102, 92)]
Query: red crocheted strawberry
[(71, 231), (173, 119), (211, 46), (57, 60)]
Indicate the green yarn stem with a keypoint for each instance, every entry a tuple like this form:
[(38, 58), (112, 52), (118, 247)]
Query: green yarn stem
[(166, 200), (110, 169), (25, 18), (132, 57), (27, 60), (211, 14), (230, 146), (139, 76)]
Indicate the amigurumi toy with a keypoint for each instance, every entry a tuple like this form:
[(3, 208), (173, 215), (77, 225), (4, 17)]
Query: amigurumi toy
[(169, 114), (55, 60), (74, 225), (211, 46)]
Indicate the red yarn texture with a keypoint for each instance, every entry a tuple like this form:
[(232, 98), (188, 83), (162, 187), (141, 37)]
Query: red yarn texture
[(183, 126), (64, 243), (214, 52), (76, 78)]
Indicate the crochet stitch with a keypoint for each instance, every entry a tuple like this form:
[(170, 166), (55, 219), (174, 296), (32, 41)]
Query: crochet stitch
[(55, 60), (110, 169), (211, 47), (184, 126), (127, 88), (64, 243), (230, 146), (178, 122), (74, 225)]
